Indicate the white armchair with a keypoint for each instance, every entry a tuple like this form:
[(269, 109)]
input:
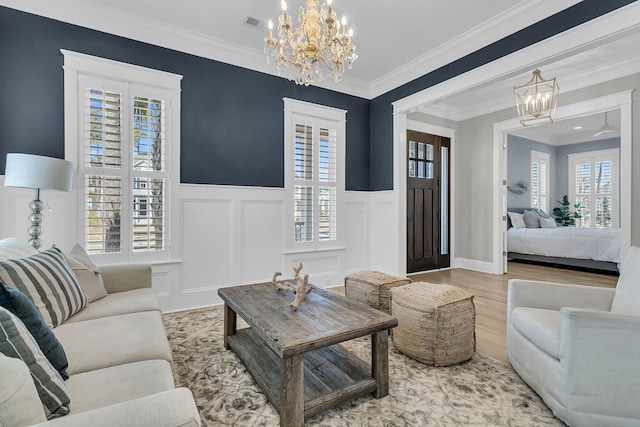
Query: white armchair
[(578, 346)]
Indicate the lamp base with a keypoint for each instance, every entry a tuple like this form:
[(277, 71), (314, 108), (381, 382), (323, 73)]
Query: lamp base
[(36, 218)]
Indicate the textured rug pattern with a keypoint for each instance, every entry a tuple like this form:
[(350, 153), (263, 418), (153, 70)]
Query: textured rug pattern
[(480, 392)]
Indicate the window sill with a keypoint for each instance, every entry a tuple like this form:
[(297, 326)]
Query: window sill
[(315, 250)]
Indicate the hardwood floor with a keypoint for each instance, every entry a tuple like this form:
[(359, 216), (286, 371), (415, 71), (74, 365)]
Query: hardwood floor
[(491, 296)]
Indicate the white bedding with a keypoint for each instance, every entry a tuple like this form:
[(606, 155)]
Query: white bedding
[(600, 244)]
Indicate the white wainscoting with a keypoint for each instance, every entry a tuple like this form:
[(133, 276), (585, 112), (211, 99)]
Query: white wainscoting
[(226, 236)]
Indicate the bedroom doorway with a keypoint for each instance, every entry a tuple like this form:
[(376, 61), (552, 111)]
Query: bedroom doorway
[(428, 195), (621, 103)]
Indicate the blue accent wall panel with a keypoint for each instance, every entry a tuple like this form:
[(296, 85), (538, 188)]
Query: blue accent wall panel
[(232, 118)]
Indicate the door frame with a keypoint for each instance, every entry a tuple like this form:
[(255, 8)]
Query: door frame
[(400, 154), (621, 101)]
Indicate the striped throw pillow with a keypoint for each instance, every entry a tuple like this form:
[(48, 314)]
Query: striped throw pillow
[(49, 282), (17, 342)]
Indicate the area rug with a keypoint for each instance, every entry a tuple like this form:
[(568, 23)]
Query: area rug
[(480, 392)]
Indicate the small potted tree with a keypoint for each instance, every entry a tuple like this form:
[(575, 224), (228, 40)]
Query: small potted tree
[(563, 214)]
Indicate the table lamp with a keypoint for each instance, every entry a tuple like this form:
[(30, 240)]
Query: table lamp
[(41, 173)]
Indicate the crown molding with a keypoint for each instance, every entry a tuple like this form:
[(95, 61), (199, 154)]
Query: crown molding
[(510, 21), (579, 79), (110, 20)]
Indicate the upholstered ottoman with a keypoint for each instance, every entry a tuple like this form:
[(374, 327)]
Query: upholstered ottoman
[(372, 288), (436, 323)]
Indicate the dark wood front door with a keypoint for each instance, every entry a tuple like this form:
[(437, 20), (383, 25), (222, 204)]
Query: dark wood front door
[(427, 201)]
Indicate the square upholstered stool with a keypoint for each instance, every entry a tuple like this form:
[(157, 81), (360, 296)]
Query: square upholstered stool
[(372, 288), (436, 323)]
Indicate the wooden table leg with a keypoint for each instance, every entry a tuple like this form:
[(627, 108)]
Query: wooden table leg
[(292, 391), (380, 362), (230, 319)]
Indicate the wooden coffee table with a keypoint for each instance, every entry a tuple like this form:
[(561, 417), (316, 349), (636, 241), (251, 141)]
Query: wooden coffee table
[(294, 356)]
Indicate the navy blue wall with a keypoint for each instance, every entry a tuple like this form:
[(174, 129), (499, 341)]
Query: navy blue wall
[(232, 118), (382, 110), (232, 121)]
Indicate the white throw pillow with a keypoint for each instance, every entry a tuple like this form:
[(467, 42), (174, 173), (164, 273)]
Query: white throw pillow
[(547, 223), (517, 220), (11, 248), (627, 298), (19, 401), (88, 274)]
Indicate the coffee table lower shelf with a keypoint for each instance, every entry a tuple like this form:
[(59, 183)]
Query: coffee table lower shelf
[(332, 375)]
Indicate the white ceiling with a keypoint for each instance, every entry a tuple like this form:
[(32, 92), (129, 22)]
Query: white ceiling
[(396, 41), (618, 57)]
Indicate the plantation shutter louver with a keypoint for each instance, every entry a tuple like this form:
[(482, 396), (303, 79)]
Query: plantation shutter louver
[(594, 183), (124, 168), (148, 186), (102, 162), (540, 180), (315, 179)]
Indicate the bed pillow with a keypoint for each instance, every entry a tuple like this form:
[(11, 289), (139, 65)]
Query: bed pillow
[(517, 220), (547, 223), (21, 306), (49, 282), (531, 219), (88, 274), (627, 298), (17, 342)]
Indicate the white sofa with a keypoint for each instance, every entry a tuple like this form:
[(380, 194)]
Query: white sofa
[(119, 361), (578, 346)]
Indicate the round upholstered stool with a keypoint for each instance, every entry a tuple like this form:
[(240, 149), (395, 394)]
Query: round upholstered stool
[(436, 323)]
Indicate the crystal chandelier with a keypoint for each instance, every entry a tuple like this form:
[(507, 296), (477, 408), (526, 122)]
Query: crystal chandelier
[(321, 45), (536, 100)]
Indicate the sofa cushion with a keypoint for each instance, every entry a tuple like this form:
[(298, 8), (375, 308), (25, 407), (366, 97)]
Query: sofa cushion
[(88, 274), (540, 326), (115, 340), (95, 389), (627, 298), (17, 342), (49, 282), (135, 301), (11, 248), (18, 303), (19, 401)]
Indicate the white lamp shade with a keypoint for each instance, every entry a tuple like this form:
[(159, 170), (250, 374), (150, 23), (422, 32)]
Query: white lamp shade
[(44, 173)]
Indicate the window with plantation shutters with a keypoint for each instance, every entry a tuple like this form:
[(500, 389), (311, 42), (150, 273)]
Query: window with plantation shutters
[(540, 180), (594, 184), (124, 129), (315, 138)]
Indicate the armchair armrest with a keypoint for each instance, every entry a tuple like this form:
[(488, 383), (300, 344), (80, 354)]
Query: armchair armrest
[(599, 354), (170, 408), (126, 277), (554, 296)]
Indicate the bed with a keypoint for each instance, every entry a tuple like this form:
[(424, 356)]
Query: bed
[(592, 248)]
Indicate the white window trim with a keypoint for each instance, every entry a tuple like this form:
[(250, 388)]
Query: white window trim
[(292, 109), (77, 64), (612, 154), (541, 157)]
